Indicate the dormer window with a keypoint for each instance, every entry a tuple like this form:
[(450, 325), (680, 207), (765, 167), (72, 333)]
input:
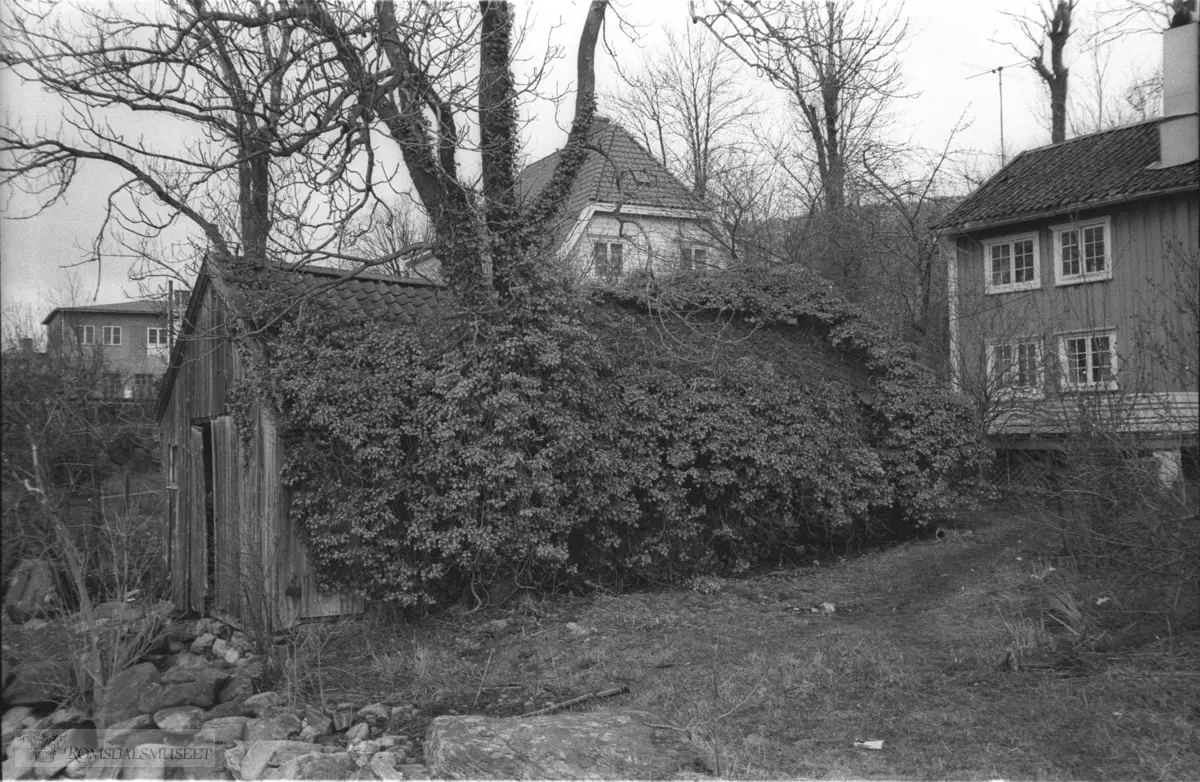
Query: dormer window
[(1082, 252), (1011, 263)]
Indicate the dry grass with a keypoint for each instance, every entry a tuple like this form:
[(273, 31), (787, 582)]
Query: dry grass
[(912, 655)]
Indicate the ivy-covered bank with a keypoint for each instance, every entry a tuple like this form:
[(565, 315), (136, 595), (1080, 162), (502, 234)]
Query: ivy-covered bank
[(646, 433)]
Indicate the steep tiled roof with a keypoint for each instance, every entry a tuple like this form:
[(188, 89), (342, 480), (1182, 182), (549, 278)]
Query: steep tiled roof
[(401, 300), (144, 307), (618, 170), (1101, 168)]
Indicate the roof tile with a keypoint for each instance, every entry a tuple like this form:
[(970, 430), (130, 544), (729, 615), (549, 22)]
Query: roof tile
[(1093, 169)]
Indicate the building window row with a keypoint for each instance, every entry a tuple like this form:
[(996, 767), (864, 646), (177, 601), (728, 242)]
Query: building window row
[(112, 335), (608, 259), (1087, 362), (1082, 253)]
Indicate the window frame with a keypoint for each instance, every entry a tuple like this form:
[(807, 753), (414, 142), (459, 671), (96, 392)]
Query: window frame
[(160, 337), (1035, 391), (687, 257), (110, 336), (1065, 381), (1084, 276), (86, 334), (1010, 239), (603, 272)]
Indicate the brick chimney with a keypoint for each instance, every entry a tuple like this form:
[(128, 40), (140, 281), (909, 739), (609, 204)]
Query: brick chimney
[(1179, 130)]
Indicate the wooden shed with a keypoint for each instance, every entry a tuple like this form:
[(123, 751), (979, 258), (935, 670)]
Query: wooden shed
[(231, 550)]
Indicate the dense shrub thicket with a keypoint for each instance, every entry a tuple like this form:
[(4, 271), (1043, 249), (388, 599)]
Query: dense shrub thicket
[(646, 434)]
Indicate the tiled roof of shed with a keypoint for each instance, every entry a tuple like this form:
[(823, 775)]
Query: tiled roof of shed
[(1099, 168), (624, 173), (401, 300)]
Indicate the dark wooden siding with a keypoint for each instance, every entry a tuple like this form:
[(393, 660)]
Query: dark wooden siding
[(256, 554)]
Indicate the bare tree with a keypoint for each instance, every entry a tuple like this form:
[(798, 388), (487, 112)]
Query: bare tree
[(837, 65), (277, 111), (689, 105), (393, 231), (1052, 26)]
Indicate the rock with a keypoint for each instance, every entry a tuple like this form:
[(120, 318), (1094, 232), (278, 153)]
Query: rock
[(238, 688), (186, 660), (239, 641), (21, 758), (387, 742), (316, 722), (398, 713), (175, 647), (229, 709), (576, 630), (415, 771), (30, 590), (280, 726), (215, 677), (68, 717), (35, 624), (202, 694), (14, 723), (223, 730), (359, 732), (375, 713), (118, 733), (615, 744), (364, 748), (147, 761), (39, 682), (343, 718), (384, 764), (249, 760), (179, 720), (263, 701), (232, 655), (219, 647), (79, 766), (62, 749), (318, 765), (124, 691)]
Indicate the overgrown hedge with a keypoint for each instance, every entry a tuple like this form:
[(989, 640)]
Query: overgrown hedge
[(633, 436)]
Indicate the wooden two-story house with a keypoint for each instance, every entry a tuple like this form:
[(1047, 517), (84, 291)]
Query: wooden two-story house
[(1074, 282)]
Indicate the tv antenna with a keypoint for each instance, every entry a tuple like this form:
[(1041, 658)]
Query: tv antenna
[(999, 71)]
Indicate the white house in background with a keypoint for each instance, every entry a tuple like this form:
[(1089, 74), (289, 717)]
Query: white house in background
[(626, 212), (1074, 281)]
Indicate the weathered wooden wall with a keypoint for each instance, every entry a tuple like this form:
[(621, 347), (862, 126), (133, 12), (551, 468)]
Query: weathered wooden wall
[(256, 553)]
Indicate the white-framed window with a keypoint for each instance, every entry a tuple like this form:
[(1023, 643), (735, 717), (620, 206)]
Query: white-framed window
[(608, 259), (1082, 251), (1089, 360), (1016, 367), (143, 386), (111, 385), (693, 258), (112, 335), (1011, 263), (86, 335), (156, 338)]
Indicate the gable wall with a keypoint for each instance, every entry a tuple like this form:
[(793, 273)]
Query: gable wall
[(651, 242)]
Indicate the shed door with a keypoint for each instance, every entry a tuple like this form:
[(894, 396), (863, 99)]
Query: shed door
[(227, 479)]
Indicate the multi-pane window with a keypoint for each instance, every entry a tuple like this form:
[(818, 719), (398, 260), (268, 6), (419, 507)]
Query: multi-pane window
[(694, 258), (156, 337), (1089, 360), (1012, 263), (112, 335), (608, 259), (143, 386), (86, 335), (1017, 366), (111, 385), (1082, 252)]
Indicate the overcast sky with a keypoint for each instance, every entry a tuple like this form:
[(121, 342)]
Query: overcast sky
[(950, 41)]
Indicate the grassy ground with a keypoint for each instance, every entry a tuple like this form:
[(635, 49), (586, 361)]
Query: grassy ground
[(969, 657)]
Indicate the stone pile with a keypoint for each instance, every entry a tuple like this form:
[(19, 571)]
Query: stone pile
[(197, 707)]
